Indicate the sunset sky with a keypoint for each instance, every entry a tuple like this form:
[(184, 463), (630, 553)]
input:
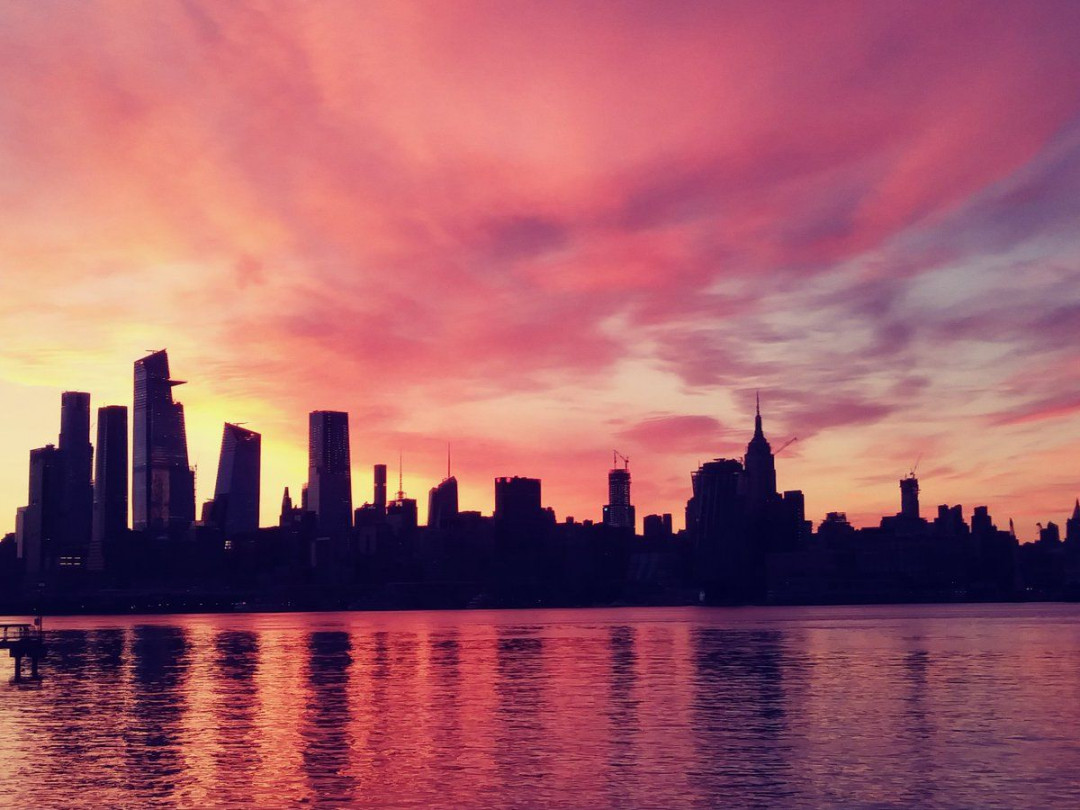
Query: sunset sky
[(544, 230)]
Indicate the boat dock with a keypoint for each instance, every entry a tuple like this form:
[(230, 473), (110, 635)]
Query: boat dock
[(23, 641)]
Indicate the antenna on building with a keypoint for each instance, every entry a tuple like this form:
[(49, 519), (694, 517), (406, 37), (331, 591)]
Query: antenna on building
[(448, 459), (615, 456), (400, 488)]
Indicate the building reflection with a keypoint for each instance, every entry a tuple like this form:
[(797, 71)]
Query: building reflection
[(445, 658), (622, 713), (919, 731), (519, 734), (327, 720), (155, 744), (236, 699), (740, 716)]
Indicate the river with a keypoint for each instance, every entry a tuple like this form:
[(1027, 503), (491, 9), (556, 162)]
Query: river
[(905, 706)]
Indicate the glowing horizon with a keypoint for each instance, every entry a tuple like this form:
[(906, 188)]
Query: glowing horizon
[(544, 231)]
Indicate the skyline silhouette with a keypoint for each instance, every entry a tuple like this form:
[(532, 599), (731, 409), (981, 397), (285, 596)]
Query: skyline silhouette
[(329, 437), (746, 539)]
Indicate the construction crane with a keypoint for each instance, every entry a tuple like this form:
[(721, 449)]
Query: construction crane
[(615, 456), (915, 466), (786, 445)]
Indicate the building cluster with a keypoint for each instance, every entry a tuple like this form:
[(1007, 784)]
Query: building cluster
[(744, 541)]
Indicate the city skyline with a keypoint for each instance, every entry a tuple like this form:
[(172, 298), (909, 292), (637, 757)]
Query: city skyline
[(544, 231), (330, 456)]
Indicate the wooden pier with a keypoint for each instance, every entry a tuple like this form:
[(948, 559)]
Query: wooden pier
[(23, 641)]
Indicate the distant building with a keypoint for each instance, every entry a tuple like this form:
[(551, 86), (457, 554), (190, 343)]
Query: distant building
[(443, 503), (329, 488), (110, 482), (656, 527), (760, 464), (380, 489), (1050, 533), (287, 510), (909, 497), (163, 484), (77, 459), (39, 528), (236, 494), (1072, 526), (619, 512), (716, 519), (517, 500)]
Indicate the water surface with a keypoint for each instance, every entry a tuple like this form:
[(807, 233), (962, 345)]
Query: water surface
[(958, 706)]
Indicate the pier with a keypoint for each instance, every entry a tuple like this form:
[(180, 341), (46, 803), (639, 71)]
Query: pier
[(23, 641)]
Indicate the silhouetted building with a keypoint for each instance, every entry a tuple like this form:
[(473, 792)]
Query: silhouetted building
[(401, 515), (77, 460), (909, 497), (834, 527), (1072, 526), (795, 528), (236, 495), (110, 483), (329, 488), (38, 528), (163, 484), (760, 468), (656, 527), (380, 489), (517, 500), (715, 519), (619, 512), (1050, 533), (287, 510), (443, 503)]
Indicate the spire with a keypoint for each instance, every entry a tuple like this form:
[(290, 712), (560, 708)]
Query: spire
[(448, 459), (757, 418), (1076, 510)]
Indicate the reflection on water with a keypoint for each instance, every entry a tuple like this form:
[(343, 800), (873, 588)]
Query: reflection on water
[(957, 706), (152, 734), (326, 721)]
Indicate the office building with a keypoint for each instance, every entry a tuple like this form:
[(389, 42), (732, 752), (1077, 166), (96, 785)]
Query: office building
[(110, 519), (329, 488), (163, 484), (235, 508)]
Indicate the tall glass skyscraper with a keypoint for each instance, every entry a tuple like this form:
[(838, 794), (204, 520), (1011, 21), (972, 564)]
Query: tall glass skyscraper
[(163, 485), (329, 489), (236, 495), (77, 460), (110, 482)]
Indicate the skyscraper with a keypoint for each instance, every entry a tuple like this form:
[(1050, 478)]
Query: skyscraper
[(42, 518), (443, 502), (110, 482), (163, 485), (236, 494), (77, 460), (760, 468), (517, 500), (909, 497), (619, 512), (380, 489), (329, 489)]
